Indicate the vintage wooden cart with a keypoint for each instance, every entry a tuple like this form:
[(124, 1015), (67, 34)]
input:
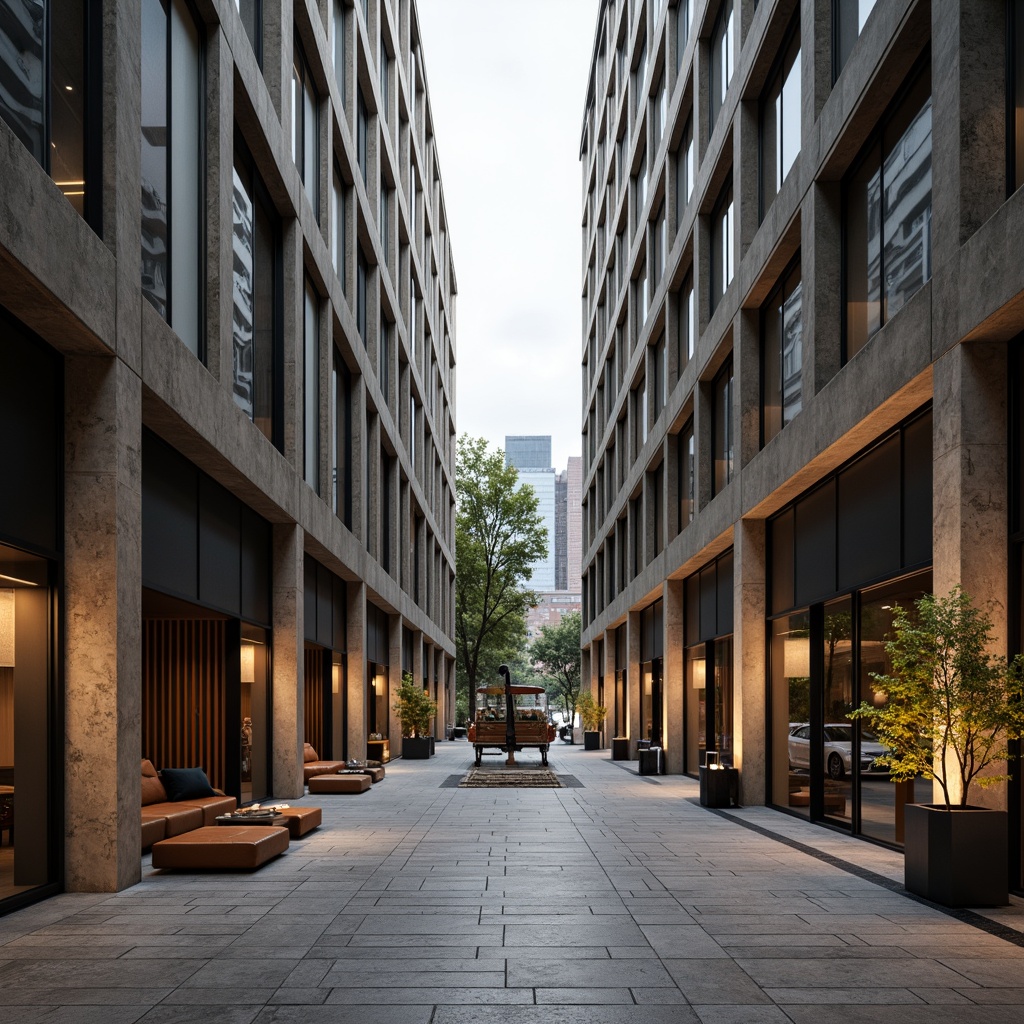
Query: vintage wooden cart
[(532, 727)]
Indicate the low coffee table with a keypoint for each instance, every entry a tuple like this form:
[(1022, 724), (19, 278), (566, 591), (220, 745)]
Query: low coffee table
[(265, 820)]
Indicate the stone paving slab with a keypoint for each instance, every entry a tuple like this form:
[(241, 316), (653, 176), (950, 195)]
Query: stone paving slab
[(618, 902)]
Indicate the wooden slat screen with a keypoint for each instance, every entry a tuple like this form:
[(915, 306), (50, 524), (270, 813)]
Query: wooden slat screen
[(313, 699), (184, 721)]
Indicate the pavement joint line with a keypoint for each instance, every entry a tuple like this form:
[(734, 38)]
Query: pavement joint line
[(969, 917), (642, 778)]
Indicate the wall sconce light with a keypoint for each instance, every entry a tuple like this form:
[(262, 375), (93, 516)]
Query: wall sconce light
[(796, 657), (248, 663), (699, 674), (6, 629), (335, 678)]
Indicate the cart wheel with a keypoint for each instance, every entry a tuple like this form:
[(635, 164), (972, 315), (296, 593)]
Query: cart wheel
[(479, 754), (544, 756)]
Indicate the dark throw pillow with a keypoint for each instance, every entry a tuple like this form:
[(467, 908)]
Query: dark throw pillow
[(186, 783)]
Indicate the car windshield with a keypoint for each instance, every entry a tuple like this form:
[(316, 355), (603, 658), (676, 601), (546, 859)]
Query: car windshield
[(839, 733)]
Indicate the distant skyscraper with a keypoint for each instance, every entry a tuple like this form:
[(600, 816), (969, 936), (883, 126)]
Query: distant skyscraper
[(561, 517), (528, 451), (531, 456), (574, 523)]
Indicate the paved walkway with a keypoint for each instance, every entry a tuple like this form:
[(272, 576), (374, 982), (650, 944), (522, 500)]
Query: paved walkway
[(618, 901)]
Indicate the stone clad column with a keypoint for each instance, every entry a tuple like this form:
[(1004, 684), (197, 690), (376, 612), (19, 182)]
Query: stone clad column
[(969, 489), (636, 731), (289, 660), (673, 681), (358, 719), (749, 670), (102, 625)]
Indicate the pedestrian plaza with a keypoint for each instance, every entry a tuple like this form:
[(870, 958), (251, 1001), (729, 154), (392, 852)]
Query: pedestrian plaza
[(616, 898)]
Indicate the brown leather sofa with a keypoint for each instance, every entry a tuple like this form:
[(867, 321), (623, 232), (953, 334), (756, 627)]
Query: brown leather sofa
[(163, 818), (312, 765)]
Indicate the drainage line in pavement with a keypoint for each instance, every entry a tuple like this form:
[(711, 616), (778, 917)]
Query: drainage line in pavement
[(964, 916), (642, 778)]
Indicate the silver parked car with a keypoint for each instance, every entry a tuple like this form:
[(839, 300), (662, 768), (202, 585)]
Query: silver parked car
[(837, 749)]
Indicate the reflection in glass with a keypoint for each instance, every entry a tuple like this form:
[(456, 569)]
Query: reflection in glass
[(722, 59), (67, 100), (791, 712), (22, 95), (721, 428), (251, 13), (723, 735), (780, 124), (783, 355), (154, 156), (723, 256), (838, 699), (695, 697), (881, 801), (684, 171), (253, 713)]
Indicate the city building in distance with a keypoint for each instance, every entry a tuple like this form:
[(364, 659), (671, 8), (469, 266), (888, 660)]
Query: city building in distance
[(228, 497), (802, 375)]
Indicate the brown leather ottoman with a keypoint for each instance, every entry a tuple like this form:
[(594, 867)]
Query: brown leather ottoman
[(376, 774), (357, 783), (237, 847), (301, 820)]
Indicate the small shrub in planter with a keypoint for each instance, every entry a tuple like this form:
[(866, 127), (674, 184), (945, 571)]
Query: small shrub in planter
[(415, 709), (951, 707), (593, 715)]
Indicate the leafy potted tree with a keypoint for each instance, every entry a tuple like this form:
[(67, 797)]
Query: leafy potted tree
[(415, 710), (593, 715), (951, 706)]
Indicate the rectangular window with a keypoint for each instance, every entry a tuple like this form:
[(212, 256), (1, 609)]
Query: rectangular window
[(384, 219), (687, 469), (49, 88), (722, 60), (338, 46), (659, 107), (723, 253), (362, 272), (305, 127), (684, 171), (341, 441), (657, 247), (257, 284), (362, 119), (384, 359), (848, 18), (781, 355), (780, 121), (172, 169), (385, 72), (1015, 121), (639, 76), (311, 388), (251, 13), (721, 428), (887, 217), (658, 372), (686, 328), (682, 30), (338, 233)]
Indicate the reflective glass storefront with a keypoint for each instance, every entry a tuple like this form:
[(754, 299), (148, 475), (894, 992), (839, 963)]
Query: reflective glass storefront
[(841, 558)]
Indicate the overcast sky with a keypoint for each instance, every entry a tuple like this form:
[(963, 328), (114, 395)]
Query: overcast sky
[(507, 84)]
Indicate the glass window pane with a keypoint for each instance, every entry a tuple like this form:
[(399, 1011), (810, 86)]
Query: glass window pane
[(155, 271), (839, 700), (243, 291), (265, 333), (791, 107), (771, 123), (67, 100), (338, 247), (23, 29), (906, 226), (771, 411), (186, 176), (251, 13), (792, 348), (863, 253), (791, 707)]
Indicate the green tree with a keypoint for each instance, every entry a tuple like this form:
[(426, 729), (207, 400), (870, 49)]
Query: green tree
[(557, 652), (498, 537), (951, 705)]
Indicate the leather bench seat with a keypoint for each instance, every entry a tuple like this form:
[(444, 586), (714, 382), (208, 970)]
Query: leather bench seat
[(154, 828), (313, 768), (356, 783), (301, 819), (376, 774), (180, 818), (238, 847)]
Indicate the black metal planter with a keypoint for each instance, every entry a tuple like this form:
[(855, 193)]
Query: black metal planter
[(416, 748), (591, 741), (620, 748), (958, 857), (719, 787)]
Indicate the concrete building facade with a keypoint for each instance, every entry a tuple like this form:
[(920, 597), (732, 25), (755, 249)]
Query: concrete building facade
[(801, 375), (227, 524)]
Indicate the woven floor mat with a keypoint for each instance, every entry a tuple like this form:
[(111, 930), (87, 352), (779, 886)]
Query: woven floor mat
[(503, 778)]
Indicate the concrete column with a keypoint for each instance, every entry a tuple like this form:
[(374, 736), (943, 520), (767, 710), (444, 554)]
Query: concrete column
[(289, 660), (634, 680), (358, 717), (749, 670), (815, 63), (394, 681), (969, 489), (294, 301), (821, 281), (746, 375), (103, 625), (220, 149), (673, 682)]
